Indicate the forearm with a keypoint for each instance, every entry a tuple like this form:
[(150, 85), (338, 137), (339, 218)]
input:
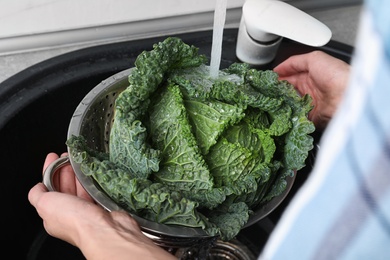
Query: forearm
[(123, 240), (123, 250)]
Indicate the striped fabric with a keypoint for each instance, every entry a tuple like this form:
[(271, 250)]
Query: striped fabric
[(343, 209)]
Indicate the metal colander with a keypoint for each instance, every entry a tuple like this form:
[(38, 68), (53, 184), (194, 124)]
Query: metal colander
[(93, 119)]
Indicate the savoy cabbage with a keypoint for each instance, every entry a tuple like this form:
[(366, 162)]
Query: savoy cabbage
[(207, 151)]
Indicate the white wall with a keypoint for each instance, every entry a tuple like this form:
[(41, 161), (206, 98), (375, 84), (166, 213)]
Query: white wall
[(41, 16), (36, 24)]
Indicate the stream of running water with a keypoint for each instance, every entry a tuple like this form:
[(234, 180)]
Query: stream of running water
[(216, 48)]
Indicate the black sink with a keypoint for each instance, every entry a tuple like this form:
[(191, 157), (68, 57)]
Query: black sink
[(36, 106)]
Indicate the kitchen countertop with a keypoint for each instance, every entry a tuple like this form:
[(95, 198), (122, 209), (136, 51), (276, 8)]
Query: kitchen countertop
[(342, 21)]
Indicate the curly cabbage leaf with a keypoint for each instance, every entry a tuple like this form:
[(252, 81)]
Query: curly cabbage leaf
[(140, 196), (128, 146), (182, 165), (228, 218), (210, 119)]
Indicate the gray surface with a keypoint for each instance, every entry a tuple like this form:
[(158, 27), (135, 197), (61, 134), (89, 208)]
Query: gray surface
[(342, 21)]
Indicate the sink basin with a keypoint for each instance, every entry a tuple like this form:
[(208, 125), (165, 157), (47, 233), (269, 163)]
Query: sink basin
[(36, 106)]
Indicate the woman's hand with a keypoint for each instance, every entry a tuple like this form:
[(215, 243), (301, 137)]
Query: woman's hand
[(71, 215), (321, 76)]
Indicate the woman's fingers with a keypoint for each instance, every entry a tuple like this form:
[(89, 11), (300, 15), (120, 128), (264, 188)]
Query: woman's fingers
[(65, 180)]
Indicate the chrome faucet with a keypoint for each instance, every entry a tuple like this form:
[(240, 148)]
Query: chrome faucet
[(265, 22)]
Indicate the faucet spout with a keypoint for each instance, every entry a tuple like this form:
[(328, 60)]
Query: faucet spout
[(265, 22)]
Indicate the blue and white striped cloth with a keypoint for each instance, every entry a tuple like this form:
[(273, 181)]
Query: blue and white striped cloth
[(343, 209)]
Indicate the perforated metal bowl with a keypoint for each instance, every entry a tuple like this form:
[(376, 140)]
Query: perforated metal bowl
[(93, 119)]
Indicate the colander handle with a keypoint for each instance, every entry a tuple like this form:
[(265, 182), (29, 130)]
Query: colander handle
[(49, 172)]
